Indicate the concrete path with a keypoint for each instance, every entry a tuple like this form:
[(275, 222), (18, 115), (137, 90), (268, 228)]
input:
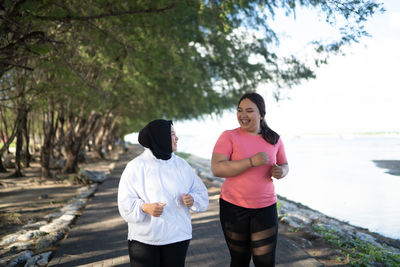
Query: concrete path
[(99, 236)]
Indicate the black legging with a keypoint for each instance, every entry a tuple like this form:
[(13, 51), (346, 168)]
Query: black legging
[(250, 232), (143, 255)]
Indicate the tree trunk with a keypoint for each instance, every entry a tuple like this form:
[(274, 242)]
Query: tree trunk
[(47, 146), (25, 134), (98, 142), (76, 138), (9, 141), (22, 113), (104, 139), (18, 168), (59, 135), (2, 169), (99, 152), (71, 164)]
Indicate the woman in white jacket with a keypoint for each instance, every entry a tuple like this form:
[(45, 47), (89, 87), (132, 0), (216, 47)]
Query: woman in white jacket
[(155, 193)]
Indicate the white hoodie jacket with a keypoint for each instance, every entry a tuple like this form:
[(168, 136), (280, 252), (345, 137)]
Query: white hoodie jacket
[(147, 179)]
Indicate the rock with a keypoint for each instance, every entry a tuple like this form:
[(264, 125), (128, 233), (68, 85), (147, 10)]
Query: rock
[(4, 260), (67, 218), (53, 215), (299, 218), (20, 258), (292, 223), (11, 238), (29, 235), (60, 224), (44, 258), (22, 245), (367, 238), (95, 176), (307, 242), (73, 207), (49, 240), (87, 191), (33, 225), (32, 261)]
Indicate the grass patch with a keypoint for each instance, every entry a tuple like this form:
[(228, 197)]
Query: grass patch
[(79, 179), (10, 218), (183, 155), (41, 233), (359, 253)]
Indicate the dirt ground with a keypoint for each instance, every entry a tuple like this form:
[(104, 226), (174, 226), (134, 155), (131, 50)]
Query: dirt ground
[(29, 199)]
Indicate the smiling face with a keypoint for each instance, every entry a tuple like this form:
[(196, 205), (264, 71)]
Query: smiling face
[(249, 116), (174, 139)]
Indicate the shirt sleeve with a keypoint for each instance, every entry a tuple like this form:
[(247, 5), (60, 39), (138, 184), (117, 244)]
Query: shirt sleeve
[(129, 203), (198, 191), (280, 154), (224, 144)]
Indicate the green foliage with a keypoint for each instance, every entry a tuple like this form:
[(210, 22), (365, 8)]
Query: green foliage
[(183, 155), (359, 253), (11, 146), (42, 233), (141, 60)]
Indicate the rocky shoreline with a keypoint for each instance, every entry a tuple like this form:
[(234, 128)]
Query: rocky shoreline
[(301, 217)]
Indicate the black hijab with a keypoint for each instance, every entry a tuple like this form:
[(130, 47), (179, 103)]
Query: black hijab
[(156, 136)]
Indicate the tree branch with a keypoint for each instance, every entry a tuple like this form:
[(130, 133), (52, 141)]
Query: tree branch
[(105, 15), (77, 73), (31, 35), (109, 34), (15, 65)]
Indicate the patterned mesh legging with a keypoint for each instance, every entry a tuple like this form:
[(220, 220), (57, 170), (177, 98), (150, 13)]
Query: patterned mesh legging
[(250, 232)]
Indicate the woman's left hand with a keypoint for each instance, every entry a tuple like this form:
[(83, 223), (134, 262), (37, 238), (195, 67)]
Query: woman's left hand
[(187, 200), (278, 172)]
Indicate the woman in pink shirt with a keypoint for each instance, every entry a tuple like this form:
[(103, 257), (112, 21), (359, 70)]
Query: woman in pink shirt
[(248, 157)]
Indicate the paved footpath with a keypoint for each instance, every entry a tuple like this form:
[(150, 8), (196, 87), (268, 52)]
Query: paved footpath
[(99, 236)]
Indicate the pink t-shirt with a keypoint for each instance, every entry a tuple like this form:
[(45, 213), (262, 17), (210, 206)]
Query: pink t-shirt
[(254, 187)]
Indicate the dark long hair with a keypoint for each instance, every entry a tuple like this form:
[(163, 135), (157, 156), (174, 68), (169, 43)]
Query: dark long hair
[(267, 133)]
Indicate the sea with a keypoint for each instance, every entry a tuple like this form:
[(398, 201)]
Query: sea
[(353, 178)]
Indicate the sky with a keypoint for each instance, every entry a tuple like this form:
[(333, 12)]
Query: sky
[(355, 93)]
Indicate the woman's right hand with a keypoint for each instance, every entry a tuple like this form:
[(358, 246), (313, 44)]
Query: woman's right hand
[(154, 209), (259, 159)]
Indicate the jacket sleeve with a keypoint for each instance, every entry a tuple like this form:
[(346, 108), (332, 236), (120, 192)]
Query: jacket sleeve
[(129, 203), (199, 193)]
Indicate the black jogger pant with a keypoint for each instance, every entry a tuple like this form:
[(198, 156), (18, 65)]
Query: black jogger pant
[(250, 232), (143, 255)]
